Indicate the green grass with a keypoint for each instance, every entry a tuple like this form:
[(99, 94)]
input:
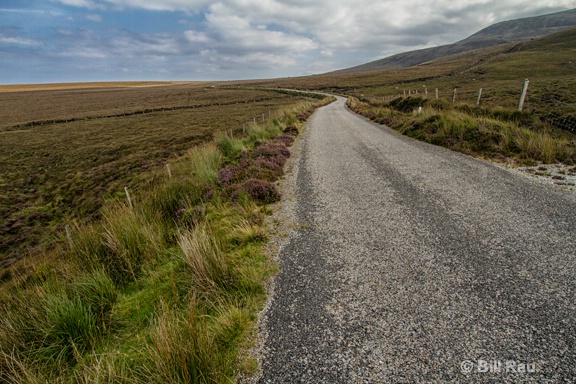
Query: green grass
[(165, 291), (486, 133)]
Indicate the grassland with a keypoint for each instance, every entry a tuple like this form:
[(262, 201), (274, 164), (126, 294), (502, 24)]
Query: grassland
[(94, 85), (494, 128), (62, 173), (500, 71), (164, 291)]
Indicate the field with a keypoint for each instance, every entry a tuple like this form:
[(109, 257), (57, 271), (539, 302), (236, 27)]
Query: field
[(451, 113), (57, 173), (500, 71), (165, 287)]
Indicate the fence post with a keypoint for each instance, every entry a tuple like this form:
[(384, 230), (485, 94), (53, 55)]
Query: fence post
[(479, 96), (436, 93), (454, 97), (69, 237), (128, 197), (523, 96), (404, 93), (168, 170)]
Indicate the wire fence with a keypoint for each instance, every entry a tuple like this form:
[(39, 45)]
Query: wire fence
[(552, 110)]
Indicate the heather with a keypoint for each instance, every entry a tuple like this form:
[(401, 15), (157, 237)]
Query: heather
[(162, 290)]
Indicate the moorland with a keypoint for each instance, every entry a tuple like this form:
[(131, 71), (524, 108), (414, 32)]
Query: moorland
[(111, 298), (65, 151)]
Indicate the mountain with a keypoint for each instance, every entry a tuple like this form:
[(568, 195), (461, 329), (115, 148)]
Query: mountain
[(501, 33)]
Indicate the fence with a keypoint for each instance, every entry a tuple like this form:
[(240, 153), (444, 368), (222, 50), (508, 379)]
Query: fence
[(558, 113)]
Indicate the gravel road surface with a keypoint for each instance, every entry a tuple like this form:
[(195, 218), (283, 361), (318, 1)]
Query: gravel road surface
[(411, 263)]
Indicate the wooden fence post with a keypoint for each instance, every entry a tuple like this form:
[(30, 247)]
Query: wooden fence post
[(523, 96), (479, 96), (436, 93), (168, 170), (454, 97)]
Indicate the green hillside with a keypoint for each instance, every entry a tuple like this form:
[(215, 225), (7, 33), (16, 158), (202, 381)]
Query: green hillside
[(501, 33)]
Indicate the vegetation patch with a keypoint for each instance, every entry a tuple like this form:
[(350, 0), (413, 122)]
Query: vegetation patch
[(165, 289), (67, 171), (496, 134)]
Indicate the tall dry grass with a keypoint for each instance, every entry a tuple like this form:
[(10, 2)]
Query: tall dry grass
[(165, 291)]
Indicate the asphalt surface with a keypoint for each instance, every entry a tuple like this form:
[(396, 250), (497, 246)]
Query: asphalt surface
[(411, 263)]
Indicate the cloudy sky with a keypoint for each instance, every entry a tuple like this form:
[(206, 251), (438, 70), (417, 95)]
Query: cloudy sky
[(107, 40)]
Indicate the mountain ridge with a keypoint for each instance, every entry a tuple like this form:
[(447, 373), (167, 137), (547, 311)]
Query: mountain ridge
[(510, 31)]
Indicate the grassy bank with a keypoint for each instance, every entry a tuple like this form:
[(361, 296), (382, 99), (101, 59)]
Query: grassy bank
[(483, 132), (165, 291)]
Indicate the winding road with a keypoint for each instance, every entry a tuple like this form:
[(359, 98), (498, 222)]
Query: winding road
[(412, 263)]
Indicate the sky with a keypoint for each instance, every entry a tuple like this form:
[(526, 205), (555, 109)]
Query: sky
[(46, 41)]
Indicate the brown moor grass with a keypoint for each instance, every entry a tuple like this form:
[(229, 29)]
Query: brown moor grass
[(60, 172)]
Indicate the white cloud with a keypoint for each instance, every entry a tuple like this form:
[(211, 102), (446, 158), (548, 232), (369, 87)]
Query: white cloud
[(86, 53), (90, 4), (19, 41), (197, 37), (95, 18), (237, 32)]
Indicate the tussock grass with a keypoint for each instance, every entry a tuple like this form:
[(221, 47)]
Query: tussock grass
[(166, 291), (230, 147), (206, 261), (495, 134), (182, 349), (98, 292)]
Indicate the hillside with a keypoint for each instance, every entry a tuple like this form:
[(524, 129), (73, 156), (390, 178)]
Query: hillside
[(501, 33)]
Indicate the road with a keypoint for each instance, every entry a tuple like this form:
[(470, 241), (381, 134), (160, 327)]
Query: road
[(411, 263)]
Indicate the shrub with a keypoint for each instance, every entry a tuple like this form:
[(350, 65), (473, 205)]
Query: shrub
[(303, 116), (270, 150), (259, 190), (408, 104), (291, 130), (284, 139)]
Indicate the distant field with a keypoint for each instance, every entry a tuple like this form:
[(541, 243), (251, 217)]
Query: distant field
[(64, 86), (53, 173)]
